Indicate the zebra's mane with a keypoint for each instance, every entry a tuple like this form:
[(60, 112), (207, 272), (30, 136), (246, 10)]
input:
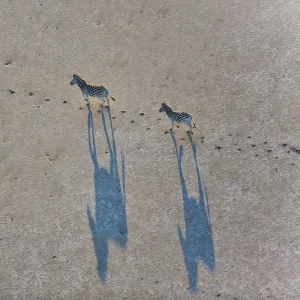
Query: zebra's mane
[(79, 79), (95, 85), (83, 82), (177, 112), (167, 106)]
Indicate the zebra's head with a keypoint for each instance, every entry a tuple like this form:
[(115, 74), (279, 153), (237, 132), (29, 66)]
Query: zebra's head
[(76, 80), (163, 107)]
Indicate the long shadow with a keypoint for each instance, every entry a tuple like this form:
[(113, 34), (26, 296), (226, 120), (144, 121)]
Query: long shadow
[(197, 245), (109, 221)]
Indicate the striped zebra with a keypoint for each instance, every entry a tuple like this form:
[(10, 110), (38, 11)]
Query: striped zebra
[(179, 117), (92, 90)]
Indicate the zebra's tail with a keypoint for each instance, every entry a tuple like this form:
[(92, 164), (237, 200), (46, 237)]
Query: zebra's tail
[(112, 98)]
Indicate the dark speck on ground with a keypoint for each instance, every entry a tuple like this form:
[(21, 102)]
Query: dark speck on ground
[(296, 150)]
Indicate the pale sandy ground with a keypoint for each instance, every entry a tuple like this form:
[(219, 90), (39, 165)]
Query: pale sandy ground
[(234, 65)]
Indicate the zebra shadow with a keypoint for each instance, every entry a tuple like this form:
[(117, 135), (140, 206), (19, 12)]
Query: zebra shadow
[(197, 244), (109, 220)]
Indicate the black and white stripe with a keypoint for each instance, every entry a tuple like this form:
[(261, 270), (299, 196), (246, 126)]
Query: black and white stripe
[(179, 117), (91, 90)]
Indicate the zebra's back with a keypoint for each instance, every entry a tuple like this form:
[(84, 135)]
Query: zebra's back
[(98, 91), (181, 116)]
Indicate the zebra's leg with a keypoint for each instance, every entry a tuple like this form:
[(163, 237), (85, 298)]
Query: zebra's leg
[(188, 123), (102, 104), (87, 98), (107, 102), (172, 125), (191, 130)]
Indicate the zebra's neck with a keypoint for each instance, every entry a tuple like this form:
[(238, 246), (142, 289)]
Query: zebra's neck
[(168, 110), (81, 83)]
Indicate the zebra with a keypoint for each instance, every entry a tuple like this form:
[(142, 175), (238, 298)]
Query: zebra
[(93, 90), (179, 117)]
